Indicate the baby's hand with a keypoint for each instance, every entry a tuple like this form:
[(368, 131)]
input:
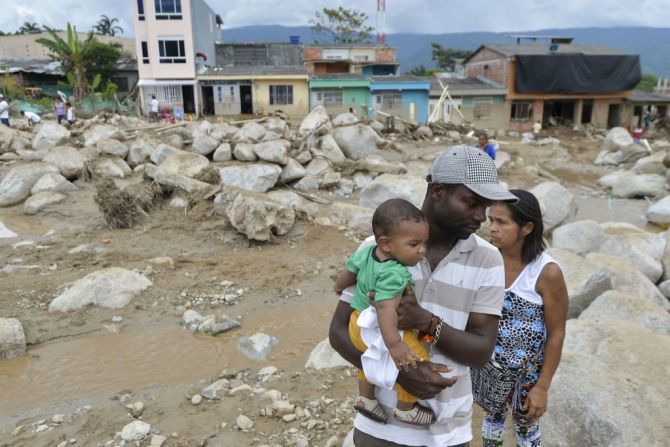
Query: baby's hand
[(403, 357)]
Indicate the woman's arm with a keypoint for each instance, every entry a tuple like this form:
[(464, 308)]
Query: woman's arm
[(551, 285)]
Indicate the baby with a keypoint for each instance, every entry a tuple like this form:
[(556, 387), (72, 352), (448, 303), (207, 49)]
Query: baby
[(401, 233)]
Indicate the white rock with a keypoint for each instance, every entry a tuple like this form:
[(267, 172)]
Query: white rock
[(223, 153), (358, 218), (315, 119), (641, 310), (223, 131), (212, 391), (52, 181), (323, 356), (357, 141), (618, 147), (327, 148), (169, 178), (204, 145), (638, 186), (239, 389), (643, 250), (17, 183), (659, 212), (258, 177), (12, 338), (139, 151), (110, 167), (135, 431), (579, 237), (196, 399), (101, 132), (361, 179), (267, 371), (275, 151), (112, 147), (6, 233), (276, 125), (112, 287), (191, 316), (557, 202), (187, 163), (653, 164), (157, 441), (162, 152), (388, 186), (58, 418), (292, 171), (251, 132), (35, 203), (307, 183), (244, 423), (257, 346), (68, 160), (244, 152), (345, 119), (50, 135), (611, 179), (202, 129)]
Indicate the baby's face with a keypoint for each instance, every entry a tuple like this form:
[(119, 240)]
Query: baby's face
[(408, 242)]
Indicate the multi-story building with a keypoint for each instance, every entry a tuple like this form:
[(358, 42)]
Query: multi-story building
[(359, 58), (173, 39)]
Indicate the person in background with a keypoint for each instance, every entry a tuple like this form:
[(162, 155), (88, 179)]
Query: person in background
[(4, 111), (70, 113), (532, 328), (486, 146), (637, 134), (153, 108), (59, 109), (537, 127), (33, 118)]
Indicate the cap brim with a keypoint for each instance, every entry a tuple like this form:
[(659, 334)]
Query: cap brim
[(492, 191)]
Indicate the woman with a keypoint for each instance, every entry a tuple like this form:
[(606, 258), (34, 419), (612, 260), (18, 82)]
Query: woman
[(531, 330)]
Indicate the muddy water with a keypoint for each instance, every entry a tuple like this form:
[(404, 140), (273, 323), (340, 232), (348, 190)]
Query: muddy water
[(107, 364)]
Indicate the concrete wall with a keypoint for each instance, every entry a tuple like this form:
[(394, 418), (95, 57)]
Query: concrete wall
[(276, 54), (261, 97), (420, 100), (358, 98), (25, 47), (205, 31), (497, 119)]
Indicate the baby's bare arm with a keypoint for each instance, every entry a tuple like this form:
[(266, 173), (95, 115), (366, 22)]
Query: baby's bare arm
[(344, 279), (387, 318)]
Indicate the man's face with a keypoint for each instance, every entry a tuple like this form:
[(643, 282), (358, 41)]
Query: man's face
[(457, 210), (483, 141)]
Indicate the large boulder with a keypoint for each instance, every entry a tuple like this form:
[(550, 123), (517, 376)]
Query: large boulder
[(204, 145), (52, 181), (611, 388), (659, 212), (315, 119), (12, 339), (357, 141), (327, 148), (244, 152), (258, 177), (586, 280), (611, 179), (318, 167), (35, 203), (358, 218), (389, 186), (50, 135), (275, 151), (105, 167), (256, 216), (139, 151), (292, 171), (162, 152), (626, 278), (102, 132), (639, 186), (201, 129), (112, 147), (16, 185), (618, 147), (323, 356), (643, 250), (277, 126), (223, 153), (558, 204), (653, 164), (187, 163), (579, 237), (223, 131), (176, 180), (345, 119), (502, 160), (68, 160), (251, 132), (112, 287), (638, 309)]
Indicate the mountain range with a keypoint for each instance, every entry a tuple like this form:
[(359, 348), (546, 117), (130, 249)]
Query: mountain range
[(413, 49)]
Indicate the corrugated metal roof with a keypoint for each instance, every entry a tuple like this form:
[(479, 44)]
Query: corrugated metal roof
[(347, 45), (52, 67), (399, 78), (649, 98), (467, 86), (539, 50), (255, 70), (341, 76)]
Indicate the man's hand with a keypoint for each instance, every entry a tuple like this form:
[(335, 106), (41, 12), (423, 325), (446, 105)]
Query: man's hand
[(410, 314), (425, 381), (403, 357)]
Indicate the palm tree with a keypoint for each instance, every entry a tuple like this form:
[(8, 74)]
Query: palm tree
[(106, 26), (70, 55), (29, 28)]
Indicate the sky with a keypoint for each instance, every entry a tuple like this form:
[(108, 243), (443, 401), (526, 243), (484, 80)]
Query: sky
[(414, 16)]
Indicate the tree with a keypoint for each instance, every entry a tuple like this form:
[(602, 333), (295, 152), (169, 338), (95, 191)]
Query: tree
[(446, 57), (647, 84), (101, 59), (107, 27), (70, 53), (341, 25), (29, 28), (421, 70)]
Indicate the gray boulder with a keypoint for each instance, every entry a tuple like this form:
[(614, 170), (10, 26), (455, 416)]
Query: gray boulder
[(345, 119), (105, 167), (558, 204), (618, 147), (255, 215), (579, 237), (162, 152), (323, 356), (223, 153), (423, 133), (659, 212), (112, 287), (244, 152), (327, 148), (652, 164), (139, 151), (641, 310), (307, 183), (639, 186), (611, 179), (357, 141), (503, 159), (355, 217), (251, 132), (318, 167), (189, 164), (258, 177), (292, 171), (17, 183), (201, 129), (68, 160), (223, 131), (586, 280), (204, 145), (257, 346), (53, 181), (12, 339), (643, 250), (275, 151), (315, 119), (50, 135), (112, 147), (35, 203), (176, 180), (102, 132), (277, 126), (389, 186)]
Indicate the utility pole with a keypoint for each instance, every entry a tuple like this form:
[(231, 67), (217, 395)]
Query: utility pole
[(381, 22)]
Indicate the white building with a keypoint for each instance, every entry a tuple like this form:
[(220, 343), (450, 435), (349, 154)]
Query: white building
[(173, 38)]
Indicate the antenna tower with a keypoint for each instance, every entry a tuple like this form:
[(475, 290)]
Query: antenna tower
[(381, 22)]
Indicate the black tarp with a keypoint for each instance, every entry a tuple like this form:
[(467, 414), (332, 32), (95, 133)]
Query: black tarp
[(576, 73)]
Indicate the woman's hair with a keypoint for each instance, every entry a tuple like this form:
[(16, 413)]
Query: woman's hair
[(527, 209)]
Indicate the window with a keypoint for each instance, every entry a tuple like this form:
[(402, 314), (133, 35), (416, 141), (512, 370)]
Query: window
[(522, 111), (145, 52), (168, 9), (121, 83), (329, 97), (482, 107), (140, 9), (171, 51), (388, 100), (281, 94), (251, 55)]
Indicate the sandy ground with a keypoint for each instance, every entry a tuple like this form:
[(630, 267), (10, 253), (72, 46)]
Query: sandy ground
[(83, 358)]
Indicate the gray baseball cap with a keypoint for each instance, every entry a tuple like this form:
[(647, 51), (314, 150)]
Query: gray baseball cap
[(471, 167)]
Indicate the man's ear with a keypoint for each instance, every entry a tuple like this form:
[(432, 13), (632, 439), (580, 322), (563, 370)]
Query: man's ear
[(436, 190), (384, 242)]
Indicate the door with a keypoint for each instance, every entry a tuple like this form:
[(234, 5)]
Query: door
[(208, 100), (614, 115), (189, 98), (246, 100)]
